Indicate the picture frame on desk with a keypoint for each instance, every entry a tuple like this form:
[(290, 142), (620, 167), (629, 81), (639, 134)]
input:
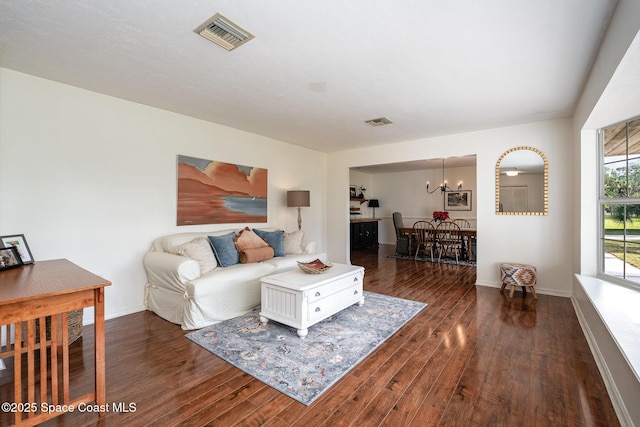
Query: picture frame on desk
[(20, 243), (457, 200), (9, 258)]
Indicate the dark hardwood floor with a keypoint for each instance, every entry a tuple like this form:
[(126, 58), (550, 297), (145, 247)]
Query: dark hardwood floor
[(471, 358)]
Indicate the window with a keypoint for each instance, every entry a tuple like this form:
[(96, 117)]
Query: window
[(619, 201)]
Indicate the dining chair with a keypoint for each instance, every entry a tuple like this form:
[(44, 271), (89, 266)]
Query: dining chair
[(463, 223), (423, 233), (448, 239), (402, 240)]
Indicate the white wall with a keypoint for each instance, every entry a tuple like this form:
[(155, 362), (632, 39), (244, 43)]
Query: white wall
[(92, 178), (600, 106), (544, 241)]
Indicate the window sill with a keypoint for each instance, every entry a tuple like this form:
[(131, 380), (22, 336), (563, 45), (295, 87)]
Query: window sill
[(619, 308)]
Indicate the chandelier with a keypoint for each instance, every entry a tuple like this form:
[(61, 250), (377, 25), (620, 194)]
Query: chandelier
[(443, 185)]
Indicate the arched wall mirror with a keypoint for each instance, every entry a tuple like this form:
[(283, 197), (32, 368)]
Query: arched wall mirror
[(522, 182)]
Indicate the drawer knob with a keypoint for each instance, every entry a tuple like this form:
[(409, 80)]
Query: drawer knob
[(355, 292), (317, 294), (355, 279), (317, 309)]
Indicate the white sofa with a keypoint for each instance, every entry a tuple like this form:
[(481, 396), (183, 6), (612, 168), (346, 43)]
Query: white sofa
[(178, 292)]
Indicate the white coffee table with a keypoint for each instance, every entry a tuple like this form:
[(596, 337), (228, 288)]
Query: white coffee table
[(300, 300)]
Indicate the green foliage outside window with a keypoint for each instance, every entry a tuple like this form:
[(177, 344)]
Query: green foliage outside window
[(620, 201)]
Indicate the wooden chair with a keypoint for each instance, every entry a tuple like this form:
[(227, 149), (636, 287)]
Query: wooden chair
[(448, 239), (423, 233), (463, 223)]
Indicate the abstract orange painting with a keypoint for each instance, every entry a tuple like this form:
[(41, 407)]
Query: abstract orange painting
[(211, 192)]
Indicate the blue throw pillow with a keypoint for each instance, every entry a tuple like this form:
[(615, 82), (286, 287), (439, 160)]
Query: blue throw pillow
[(273, 238), (225, 249)]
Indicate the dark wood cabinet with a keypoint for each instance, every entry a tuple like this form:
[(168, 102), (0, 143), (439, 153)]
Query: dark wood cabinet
[(364, 234)]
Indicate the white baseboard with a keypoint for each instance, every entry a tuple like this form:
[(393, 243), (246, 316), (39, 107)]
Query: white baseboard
[(87, 318), (607, 378), (539, 290)]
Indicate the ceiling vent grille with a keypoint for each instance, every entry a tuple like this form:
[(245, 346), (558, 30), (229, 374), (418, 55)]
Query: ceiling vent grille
[(378, 122), (224, 32)]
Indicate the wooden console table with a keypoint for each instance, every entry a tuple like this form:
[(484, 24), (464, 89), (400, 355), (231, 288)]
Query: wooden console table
[(36, 291)]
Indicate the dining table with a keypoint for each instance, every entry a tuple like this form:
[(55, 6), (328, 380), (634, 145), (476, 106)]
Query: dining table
[(466, 233)]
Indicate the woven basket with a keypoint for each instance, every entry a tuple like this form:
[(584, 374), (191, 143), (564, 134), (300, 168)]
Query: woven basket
[(74, 323)]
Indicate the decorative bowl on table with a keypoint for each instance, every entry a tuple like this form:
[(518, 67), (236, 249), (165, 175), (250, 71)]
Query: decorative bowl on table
[(314, 267)]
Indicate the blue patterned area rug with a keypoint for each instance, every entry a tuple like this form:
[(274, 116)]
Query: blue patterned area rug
[(304, 368), (443, 260)]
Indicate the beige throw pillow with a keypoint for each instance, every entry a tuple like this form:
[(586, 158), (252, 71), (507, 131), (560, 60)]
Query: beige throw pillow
[(293, 242), (256, 254), (200, 250), (247, 239)]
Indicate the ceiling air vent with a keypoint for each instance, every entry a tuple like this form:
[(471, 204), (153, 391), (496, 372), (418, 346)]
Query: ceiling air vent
[(378, 122), (224, 32)]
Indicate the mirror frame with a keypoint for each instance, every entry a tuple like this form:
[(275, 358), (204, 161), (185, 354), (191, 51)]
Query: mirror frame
[(545, 187)]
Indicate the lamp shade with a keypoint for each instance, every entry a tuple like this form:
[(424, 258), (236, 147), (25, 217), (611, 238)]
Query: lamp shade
[(298, 198), (373, 203)]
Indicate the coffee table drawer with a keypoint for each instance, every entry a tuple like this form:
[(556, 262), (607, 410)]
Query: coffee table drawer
[(337, 286), (339, 301)]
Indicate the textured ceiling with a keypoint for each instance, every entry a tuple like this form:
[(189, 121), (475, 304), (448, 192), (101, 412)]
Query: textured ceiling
[(317, 69)]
